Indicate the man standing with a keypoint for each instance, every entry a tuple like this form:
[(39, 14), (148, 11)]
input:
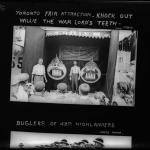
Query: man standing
[(74, 76), (38, 72)]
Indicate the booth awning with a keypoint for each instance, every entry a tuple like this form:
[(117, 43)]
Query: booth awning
[(79, 33)]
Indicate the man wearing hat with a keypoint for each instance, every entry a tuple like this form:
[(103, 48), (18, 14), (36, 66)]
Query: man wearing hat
[(101, 98), (14, 88), (38, 72), (74, 76), (18, 87), (22, 94), (64, 143), (99, 142), (38, 96)]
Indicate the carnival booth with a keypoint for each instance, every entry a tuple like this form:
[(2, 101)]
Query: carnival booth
[(90, 50), (94, 50)]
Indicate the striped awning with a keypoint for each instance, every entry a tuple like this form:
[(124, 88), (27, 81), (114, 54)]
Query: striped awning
[(78, 33)]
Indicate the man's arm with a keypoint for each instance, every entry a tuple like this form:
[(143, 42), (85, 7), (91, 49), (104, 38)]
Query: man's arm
[(70, 73), (79, 73), (45, 78), (44, 74), (32, 78), (33, 72)]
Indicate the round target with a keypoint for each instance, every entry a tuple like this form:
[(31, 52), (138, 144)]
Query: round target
[(56, 69), (90, 73)]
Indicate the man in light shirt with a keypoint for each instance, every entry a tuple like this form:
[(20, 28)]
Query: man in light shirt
[(38, 72), (74, 76)]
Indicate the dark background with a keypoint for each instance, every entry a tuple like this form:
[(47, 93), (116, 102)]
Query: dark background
[(131, 121), (53, 44)]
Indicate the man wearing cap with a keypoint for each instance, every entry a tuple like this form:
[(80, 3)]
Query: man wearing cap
[(38, 96), (74, 76), (38, 72)]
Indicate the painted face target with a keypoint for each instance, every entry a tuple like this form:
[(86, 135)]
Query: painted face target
[(90, 73), (56, 69)]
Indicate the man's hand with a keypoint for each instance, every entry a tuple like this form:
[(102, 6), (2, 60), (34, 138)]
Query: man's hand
[(70, 78), (45, 78)]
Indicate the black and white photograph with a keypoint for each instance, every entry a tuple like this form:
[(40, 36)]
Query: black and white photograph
[(64, 65), (75, 74), (60, 140)]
